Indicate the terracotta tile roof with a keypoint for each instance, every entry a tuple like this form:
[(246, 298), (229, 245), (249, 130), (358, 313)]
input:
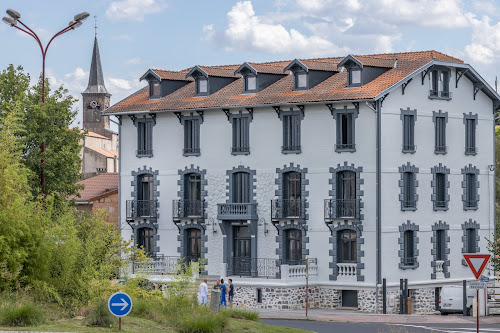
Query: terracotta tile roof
[(269, 68), (95, 135), (332, 89), (325, 64), (107, 153), (172, 75), (97, 186)]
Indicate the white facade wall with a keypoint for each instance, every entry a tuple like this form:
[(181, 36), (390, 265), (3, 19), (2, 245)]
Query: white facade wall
[(318, 136)]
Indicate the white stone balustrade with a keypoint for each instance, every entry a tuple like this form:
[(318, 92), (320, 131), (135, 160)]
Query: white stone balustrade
[(439, 268), (290, 272), (347, 270)]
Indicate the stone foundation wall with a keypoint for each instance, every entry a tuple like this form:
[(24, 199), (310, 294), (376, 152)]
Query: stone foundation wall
[(329, 298)]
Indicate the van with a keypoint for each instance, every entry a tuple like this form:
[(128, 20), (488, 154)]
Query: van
[(451, 300)]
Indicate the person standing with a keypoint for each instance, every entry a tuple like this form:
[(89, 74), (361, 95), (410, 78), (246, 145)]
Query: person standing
[(222, 293), (231, 293), (203, 290)]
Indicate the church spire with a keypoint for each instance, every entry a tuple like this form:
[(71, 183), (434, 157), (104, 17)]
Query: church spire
[(96, 79)]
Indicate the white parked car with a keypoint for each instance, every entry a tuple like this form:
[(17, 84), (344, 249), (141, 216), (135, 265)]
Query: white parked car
[(451, 299)]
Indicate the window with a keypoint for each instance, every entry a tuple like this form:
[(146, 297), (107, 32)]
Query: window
[(145, 188), (346, 246), (441, 201), (155, 90), (194, 244), (192, 203), (345, 132), (409, 201), (354, 77), (471, 236), (191, 137), (346, 205), (250, 83), (241, 141), (145, 240), (292, 191), (201, 86), (440, 84), (300, 80), (440, 135), (409, 258), (144, 138), (470, 136), (409, 133), (471, 197), (241, 187), (293, 247), (440, 244), (291, 134)]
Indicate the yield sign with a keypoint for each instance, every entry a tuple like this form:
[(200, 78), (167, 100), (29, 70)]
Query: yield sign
[(477, 263)]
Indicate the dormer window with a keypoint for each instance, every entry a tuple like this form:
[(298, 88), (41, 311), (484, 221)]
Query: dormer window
[(439, 83), (354, 77), (300, 80), (201, 86), (250, 83), (154, 90)]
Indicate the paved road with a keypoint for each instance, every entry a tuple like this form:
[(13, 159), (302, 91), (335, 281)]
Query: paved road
[(329, 327)]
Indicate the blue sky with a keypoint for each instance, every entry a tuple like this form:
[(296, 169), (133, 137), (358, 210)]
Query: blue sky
[(135, 35)]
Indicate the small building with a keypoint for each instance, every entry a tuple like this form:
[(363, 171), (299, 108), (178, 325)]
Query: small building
[(100, 193)]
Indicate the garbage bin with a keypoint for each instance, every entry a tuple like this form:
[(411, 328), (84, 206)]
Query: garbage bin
[(215, 300)]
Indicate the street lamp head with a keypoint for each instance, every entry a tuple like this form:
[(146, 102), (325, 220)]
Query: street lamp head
[(14, 14), (10, 21), (76, 24), (81, 17)]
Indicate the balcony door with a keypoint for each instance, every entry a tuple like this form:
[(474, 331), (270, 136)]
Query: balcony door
[(194, 244), (346, 247), (145, 240), (292, 191), (192, 195), (242, 261), (346, 194), (145, 195), (293, 247), (241, 187)]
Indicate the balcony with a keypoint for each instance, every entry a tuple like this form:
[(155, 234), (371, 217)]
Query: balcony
[(470, 204), (237, 211), (291, 149), (409, 148), (440, 94), (144, 152), (409, 205), (348, 147), (298, 271), (189, 209), (254, 267), (440, 205), (288, 209), (342, 209), (470, 150), (347, 271), (240, 150), (142, 208), (191, 151)]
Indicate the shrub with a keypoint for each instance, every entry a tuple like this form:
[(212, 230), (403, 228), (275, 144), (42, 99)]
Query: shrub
[(202, 320), (22, 314), (99, 315), (241, 314)]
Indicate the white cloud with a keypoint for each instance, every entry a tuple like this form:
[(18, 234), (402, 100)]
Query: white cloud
[(122, 37), (208, 32), (133, 61), (246, 30), (120, 83), (134, 10), (485, 44), (384, 43)]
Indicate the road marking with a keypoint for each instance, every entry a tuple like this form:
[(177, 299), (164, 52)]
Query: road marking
[(450, 330)]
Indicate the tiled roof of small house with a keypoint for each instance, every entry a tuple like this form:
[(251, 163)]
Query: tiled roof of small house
[(97, 186), (399, 65)]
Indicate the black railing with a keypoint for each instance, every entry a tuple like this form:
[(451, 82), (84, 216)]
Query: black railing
[(144, 152), (442, 94), (240, 149), (441, 149), (471, 204), (191, 151), (342, 209), (254, 267), (409, 261), (440, 204), (409, 204), (409, 148), (141, 208), (345, 146), (288, 208), (188, 209), (237, 211), (290, 148), (159, 265), (471, 150)]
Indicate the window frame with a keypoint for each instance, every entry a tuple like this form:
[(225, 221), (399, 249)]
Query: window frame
[(146, 241), (291, 124), (198, 86), (470, 121), (440, 120), (350, 115), (144, 137), (352, 246), (471, 192), (241, 187), (240, 133), (296, 80), (152, 87), (297, 240), (246, 84), (440, 77), (409, 146), (350, 74)]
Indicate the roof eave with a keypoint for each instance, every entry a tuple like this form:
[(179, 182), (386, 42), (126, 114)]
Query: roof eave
[(150, 72)]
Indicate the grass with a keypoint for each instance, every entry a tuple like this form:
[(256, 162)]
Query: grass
[(21, 314)]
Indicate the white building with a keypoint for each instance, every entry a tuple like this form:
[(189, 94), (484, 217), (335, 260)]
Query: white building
[(378, 166)]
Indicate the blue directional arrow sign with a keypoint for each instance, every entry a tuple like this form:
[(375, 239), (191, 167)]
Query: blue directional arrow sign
[(120, 304)]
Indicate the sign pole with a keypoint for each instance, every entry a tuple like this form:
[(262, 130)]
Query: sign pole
[(119, 323), (307, 284), (477, 309)]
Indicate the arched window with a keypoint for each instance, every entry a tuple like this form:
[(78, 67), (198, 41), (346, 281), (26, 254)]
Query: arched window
[(145, 240), (346, 246), (293, 247), (241, 187)]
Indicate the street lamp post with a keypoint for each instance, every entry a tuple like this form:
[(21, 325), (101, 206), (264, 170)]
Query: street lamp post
[(12, 20)]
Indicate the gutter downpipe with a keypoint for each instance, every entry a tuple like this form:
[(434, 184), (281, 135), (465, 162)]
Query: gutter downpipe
[(379, 201)]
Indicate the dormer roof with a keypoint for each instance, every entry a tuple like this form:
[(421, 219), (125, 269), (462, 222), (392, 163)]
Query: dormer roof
[(361, 61), (219, 71), (327, 65), (160, 74), (350, 59), (246, 66)]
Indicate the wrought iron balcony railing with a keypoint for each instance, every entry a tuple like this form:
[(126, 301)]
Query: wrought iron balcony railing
[(293, 149), (288, 208), (240, 150), (471, 150), (188, 209), (409, 261), (237, 211), (345, 146), (254, 267), (409, 204), (187, 151), (470, 204), (142, 208), (440, 94), (409, 148), (342, 209), (440, 149), (144, 152), (440, 204)]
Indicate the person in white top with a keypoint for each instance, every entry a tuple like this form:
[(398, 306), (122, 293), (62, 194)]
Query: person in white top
[(203, 290)]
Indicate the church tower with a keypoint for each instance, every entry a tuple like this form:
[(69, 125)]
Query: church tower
[(96, 98)]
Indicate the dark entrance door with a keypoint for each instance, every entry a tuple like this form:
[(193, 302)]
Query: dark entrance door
[(242, 261), (194, 243), (350, 298), (145, 240)]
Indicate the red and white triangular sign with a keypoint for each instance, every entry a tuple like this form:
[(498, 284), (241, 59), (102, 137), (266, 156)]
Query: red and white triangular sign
[(477, 263)]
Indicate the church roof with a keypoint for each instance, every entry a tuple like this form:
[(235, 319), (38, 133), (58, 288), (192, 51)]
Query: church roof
[(96, 78)]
